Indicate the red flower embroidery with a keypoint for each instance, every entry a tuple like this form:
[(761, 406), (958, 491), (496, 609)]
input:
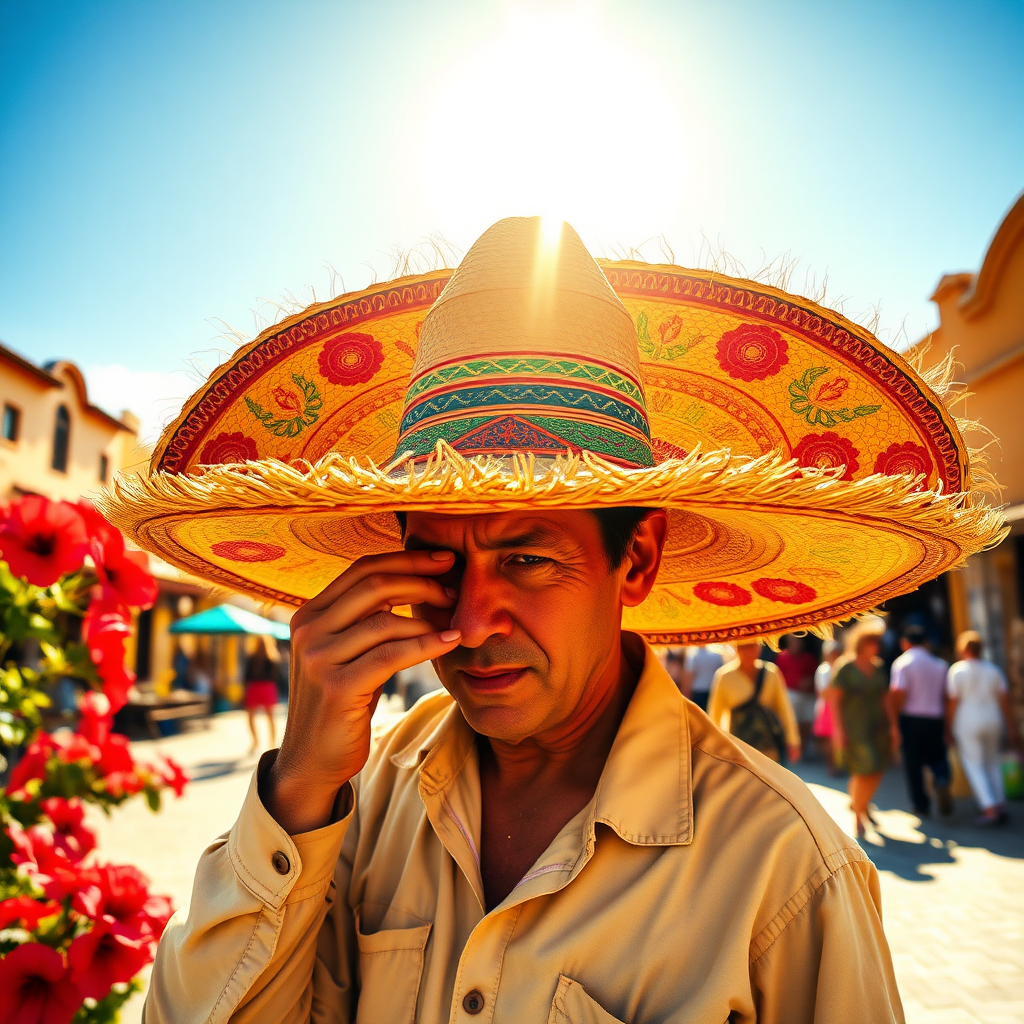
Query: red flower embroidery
[(40, 540), (227, 448), (906, 459), (787, 591), (670, 329), (667, 450), (827, 451), (247, 550), (287, 400), (351, 358), (752, 352), (832, 389), (726, 595)]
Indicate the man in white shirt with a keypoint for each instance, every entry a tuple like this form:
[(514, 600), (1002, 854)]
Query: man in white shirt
[(917, 703), (702, 663)]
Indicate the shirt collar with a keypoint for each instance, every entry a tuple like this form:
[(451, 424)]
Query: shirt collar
[(645, 793)]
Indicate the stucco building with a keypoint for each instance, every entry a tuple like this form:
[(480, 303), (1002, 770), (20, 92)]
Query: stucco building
[(981, 322)]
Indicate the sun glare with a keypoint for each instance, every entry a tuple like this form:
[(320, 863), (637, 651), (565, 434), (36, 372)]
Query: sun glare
[(554, 116)]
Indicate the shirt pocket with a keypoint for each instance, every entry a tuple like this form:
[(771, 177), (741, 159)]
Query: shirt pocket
[(572, 1005), (390, 968)]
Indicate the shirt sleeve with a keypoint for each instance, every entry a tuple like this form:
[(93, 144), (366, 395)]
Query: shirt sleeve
[(825, 959), (775, 696), (245, 947)]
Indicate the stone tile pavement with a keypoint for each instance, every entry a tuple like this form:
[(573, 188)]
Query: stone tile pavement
[(953, 896)]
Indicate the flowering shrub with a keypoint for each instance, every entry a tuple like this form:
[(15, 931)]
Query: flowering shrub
[(74, 931)]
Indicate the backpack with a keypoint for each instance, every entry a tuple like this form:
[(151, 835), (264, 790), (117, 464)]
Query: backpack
[(759, 726)]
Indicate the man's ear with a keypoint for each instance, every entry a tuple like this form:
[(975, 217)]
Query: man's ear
[(643, 557)]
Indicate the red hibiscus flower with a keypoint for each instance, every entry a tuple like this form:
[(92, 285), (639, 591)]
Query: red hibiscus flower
[(787, 591), (124, 575), (71, 747), (229, 448), (752, 352), (906, 459), (105, 629), (101, 958), (351, 358), (70, 835), (26, 912), (94, 720), (36, 852), (36, 987), (827, 451), (41, 540), (31, 766), (726, 595), (119, 896), (667, 450), (173, 775)]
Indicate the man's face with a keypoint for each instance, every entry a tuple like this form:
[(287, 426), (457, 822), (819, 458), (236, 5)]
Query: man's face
[(539, 609)]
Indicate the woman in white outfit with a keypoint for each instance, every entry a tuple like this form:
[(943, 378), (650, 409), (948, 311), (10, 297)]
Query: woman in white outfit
[(977, 707)]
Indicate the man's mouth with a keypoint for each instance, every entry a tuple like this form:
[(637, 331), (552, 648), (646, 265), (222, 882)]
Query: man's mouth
[(489, 679)]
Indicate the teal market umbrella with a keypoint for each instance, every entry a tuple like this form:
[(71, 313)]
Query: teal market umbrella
[(226, 619)]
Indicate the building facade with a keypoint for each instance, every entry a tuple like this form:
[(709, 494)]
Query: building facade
[(981, 322)]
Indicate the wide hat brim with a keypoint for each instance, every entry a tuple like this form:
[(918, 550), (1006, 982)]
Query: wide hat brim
[(808, 472)]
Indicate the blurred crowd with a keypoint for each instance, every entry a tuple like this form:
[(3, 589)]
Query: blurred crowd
[(841, 702)]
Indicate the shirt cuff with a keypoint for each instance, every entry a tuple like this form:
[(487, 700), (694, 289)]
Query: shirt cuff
[(273, 865)]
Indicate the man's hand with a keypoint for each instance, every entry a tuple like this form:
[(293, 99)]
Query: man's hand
[(346, 644)]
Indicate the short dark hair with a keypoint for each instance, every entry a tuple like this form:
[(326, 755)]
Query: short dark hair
[(914, 635), (618, 527)]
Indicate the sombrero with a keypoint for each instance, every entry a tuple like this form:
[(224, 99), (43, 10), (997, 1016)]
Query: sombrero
[(808, 472)]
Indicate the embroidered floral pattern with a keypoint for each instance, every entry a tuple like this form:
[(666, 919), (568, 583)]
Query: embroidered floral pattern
[(671, 346), (786, 591), (247, 550), (723, 594), (351, 358), (301, 409), (667, 450), (906, 459), (827, 451), (814, 407), (752, 352), (225, 448)]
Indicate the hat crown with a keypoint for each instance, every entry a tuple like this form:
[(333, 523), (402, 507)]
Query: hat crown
[(528, 349)]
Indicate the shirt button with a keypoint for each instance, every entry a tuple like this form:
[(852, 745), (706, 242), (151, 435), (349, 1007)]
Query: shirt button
[(281, 863), (473, 1003)]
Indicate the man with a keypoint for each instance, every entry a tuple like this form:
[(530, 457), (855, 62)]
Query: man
[(798, 666), (917, 706), (734, 685), (701, 665), (558, 835)]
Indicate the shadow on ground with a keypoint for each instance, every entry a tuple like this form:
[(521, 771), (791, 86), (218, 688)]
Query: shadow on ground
[(217, 769), (909, 859)]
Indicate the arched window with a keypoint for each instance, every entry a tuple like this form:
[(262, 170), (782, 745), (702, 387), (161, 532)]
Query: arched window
[(61, 438)]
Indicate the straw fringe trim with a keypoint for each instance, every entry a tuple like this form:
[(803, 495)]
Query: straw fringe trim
[(487, 484)]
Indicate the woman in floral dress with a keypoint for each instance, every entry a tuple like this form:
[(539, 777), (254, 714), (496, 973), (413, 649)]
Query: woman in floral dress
[(861, 728)]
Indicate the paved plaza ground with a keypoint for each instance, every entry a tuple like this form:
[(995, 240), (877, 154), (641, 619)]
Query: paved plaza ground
[(953, 895)]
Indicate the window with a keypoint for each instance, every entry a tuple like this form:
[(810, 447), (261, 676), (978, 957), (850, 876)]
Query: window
[(61, 439), (12, 422), (104, 468)]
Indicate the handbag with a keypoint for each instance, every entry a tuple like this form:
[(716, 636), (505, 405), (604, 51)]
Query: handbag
[(757, 725)]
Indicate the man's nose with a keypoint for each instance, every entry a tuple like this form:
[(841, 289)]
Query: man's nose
[(481, 610)]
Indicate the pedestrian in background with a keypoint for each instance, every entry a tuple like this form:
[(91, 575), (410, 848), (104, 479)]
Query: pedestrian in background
[(977, 706), (260, 692), (701, 665), (861, 732), (917, 705), (830, 652), (798, 666), (743, 682)]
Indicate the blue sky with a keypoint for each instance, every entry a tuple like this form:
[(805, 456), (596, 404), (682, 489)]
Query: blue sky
[(170, 162)]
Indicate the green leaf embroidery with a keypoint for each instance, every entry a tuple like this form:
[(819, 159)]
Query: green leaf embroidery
[(289, 427), (815, 415)]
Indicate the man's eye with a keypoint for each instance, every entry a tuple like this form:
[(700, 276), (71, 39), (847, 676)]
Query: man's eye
[(528, 559)]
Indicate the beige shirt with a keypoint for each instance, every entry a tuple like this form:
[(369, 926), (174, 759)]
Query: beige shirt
[(703, 883), (732, 687)]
